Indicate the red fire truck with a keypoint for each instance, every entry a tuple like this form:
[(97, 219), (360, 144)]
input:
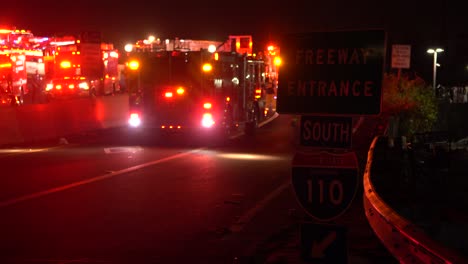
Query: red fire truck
[(12, 78), (80, 66), (15, 50), (199, 86)]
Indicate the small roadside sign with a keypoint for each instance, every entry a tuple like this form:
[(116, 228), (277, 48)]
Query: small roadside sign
[(323, 243), (401, 56), (326, 131), (325, 183)]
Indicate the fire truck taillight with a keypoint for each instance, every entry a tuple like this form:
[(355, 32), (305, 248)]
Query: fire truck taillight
[(168, 95), (134, 120), (65, 64), (207, 120)]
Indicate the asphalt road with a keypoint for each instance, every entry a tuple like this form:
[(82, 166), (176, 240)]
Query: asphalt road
[(99, 200)]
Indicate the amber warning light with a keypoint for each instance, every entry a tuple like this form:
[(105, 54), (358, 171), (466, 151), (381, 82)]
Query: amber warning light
[(133, 65), (207, 105)]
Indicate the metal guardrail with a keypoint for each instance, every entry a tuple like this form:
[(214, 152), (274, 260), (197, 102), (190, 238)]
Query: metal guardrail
[(404, 240)]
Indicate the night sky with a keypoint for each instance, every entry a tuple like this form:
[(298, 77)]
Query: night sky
[(422, 24)]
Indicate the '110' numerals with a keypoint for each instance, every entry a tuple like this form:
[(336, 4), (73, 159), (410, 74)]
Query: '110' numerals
[(335, 191)]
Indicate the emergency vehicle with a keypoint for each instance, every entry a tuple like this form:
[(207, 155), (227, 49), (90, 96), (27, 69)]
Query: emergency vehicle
[(80, 66), (205, 87), (13, 79), (14, 49)]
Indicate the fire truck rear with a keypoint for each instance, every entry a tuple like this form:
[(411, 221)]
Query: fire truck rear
[(203, 87), (80, 66)]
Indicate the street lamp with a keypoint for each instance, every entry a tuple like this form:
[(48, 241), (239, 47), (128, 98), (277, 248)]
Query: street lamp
[(434, 67)]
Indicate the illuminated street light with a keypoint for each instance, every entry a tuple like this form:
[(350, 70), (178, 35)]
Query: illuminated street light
[(434, 67)]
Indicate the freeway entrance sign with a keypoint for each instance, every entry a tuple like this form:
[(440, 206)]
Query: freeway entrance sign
[(332, 73), (325, 183)]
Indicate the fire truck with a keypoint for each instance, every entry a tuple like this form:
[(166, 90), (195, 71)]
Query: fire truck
[(14, 49), (80, 66), (13, 79), (205, 87)]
